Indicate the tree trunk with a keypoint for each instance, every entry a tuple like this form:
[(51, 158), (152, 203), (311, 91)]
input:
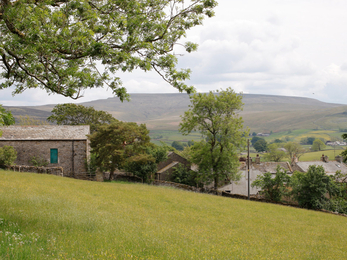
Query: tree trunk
[(111, 175), (215, 183)]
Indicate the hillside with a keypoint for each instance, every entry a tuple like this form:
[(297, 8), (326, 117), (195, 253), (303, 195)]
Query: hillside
[(262, 113), (50, 217)]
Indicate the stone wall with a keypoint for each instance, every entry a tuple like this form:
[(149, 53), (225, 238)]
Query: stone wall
[(72, 154), (43, 170)]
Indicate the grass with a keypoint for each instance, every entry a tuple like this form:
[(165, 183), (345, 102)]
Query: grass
[(49, 217)]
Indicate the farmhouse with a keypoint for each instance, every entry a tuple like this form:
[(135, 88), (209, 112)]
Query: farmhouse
[(60, 146)]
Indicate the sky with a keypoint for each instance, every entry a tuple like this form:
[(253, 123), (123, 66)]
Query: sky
[(276, 47)]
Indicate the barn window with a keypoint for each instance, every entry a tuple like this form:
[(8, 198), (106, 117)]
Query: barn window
[(54, 155)]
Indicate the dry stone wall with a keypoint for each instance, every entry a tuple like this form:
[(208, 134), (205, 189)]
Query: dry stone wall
[(43, 170)]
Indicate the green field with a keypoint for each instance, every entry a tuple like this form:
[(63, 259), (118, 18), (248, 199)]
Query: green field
[(50, 217)]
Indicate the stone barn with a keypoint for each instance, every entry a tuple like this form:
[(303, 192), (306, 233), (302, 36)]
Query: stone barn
[(61, 146), (166, 167)]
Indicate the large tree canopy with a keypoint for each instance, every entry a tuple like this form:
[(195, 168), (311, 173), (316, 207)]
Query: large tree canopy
[(58, 45), (115, 144), (73, 114), (215, 116)]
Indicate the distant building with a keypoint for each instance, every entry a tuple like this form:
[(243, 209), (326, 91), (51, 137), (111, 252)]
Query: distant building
[(61, 146), (259, 168), (166, 167), (256, 168)]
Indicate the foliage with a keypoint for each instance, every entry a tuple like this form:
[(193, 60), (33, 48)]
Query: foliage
[(28, 120), (6, 118), (310, 189), (273, 188), (278, 141), (145, 164), (255, 139), (58, 45), (183, 175), (254, 134), (307, 140), (294, 149), (118, 142), (73, 114), (318, 145), (91, 164), (215, 116), (142, 165), (8, 155), (38, 161), (186, 153), (178, 145), (260, 145), (274, 153), (344, 153)]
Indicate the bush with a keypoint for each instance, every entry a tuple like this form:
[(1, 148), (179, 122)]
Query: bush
[(335, 205), (182, 175), (38, 161), (8, 155), (273, 188), (311, 189)]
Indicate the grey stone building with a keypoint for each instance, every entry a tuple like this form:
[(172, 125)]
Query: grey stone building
[(61, 146), (166, 167)]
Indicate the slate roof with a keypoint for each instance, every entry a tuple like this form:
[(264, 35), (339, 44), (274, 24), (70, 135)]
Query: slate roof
[(173, 164), (46, 132), (330, 167), (266, 166)]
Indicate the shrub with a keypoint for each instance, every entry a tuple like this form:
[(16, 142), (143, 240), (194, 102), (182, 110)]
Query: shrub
[(8, 155), (182, 175), (311, 189), (273, 188)]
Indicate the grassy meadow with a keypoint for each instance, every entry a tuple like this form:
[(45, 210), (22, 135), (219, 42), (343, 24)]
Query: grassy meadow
[(50, 217)]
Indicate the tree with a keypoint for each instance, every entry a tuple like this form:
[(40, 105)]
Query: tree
[(310, 188), (118, 143), (260, 145), (273, 188), (318, 145), (8, 155), (294, 149), (307, 140), (6, 118), (66, 47), (178, 145), (344, 153), (145, 164), (183, 175), (274, 153), (278, 141), (72, 114), (215, 116), (255, 139)]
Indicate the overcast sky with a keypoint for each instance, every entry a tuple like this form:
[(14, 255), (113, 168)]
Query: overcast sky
[(278, 47)]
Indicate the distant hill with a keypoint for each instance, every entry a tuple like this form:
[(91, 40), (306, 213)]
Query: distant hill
[(262, 113)]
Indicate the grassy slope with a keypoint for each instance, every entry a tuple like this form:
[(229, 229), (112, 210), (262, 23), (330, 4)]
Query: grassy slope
[(59, 218)]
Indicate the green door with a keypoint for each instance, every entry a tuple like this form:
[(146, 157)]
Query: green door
[(54, 155)]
